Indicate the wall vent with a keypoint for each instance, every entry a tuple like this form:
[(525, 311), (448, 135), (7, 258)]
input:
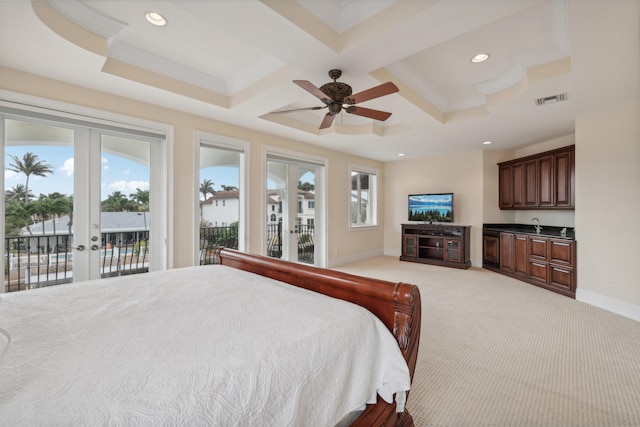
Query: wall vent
[(551, 99)]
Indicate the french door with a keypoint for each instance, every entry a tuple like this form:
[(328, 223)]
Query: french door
[(79, 201), (294, 210)]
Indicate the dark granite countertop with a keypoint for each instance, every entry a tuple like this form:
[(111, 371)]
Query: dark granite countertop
[(547, 230)]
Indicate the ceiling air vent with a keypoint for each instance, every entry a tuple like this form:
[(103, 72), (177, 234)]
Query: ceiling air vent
[(551, 99)]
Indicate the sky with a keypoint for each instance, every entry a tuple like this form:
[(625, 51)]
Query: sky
[(117, 173)]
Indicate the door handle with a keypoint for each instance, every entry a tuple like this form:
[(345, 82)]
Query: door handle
[(79, 248), (95, 247)]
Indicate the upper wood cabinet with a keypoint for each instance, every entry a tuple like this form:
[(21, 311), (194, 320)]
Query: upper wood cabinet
[(541, 181)]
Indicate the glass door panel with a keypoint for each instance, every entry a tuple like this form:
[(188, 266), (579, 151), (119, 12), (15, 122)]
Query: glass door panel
[(58, 181), (221, 200), (291, 211)]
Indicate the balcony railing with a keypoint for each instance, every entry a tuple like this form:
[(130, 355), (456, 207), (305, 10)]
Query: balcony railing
[(227, 237), (214, 237), (39, 261), (306, 241)]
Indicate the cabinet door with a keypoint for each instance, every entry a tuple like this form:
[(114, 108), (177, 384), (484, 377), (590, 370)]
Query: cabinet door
[(505, 187), (453, 250), (521, 256), (507, 255), (530, 172), (491, 249), (517, 185), (545, 181), (409, 245), (563, 179)]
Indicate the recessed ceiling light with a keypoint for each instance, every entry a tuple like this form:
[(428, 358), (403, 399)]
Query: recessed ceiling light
[(486, 143), (480, 57), (400, 154), (156, 19)]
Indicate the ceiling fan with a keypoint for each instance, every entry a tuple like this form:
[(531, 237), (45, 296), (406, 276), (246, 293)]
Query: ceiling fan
[(337, 96)]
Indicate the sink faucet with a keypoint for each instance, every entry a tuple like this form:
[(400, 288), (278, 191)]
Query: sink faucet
[(537, 225)]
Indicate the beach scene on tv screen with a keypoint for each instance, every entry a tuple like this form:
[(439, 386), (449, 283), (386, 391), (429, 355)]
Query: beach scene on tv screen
[(431, 207)]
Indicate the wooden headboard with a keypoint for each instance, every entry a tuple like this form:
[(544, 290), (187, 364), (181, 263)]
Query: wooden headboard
[(397, 305)]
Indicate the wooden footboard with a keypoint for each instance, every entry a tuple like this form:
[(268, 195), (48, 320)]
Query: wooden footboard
[(397, 305)]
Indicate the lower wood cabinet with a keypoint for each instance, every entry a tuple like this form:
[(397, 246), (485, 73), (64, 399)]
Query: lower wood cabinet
[(439, 244), (543, 261)]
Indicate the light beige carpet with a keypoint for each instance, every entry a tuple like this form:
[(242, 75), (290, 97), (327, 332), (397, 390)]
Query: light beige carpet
[(498, 352)]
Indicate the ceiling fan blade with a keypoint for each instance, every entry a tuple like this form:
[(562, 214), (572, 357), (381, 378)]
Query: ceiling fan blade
[(298, 109), (313, 90), (368, 112), (374, 92), (327, 121)]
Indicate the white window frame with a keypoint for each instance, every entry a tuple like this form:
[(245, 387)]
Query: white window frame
[(372, 222), (239, 145), (161, 184)]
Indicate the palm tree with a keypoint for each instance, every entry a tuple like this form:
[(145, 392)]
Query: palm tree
[(141, 199), (117, 202), (59, 204), (229, 188), (29, 165), (207, 187), (41, 208), (16, 194), (16, 217), (70, 212)]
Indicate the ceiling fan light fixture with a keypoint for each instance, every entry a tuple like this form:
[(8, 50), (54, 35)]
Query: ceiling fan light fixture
[(156, 19), (479, 57)]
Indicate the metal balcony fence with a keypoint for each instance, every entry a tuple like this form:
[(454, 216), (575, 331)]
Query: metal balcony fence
[(305, 241), (39, 261), (213, 237)]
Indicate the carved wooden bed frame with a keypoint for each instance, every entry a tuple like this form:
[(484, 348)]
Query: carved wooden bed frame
[(397, 305)]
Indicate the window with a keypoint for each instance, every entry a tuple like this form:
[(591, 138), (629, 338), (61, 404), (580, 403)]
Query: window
[(363, 197), (311, 204), (223, 176)]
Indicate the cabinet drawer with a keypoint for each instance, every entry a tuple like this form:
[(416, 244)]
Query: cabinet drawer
[(562, 252), (562, 277), (539, 271), (538, 248)]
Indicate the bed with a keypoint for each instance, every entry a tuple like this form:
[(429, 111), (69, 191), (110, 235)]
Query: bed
[(231, 344)]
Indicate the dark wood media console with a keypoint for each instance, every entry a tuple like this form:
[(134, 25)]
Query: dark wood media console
[(439, 244)]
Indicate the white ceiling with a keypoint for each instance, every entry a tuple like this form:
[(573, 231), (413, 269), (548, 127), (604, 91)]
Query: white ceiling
[(234, 61)]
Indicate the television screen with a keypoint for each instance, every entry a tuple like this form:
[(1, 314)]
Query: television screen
[(431, 207)]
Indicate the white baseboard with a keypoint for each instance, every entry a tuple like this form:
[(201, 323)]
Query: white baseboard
[(393, 252), (335, 262), (615, 306)]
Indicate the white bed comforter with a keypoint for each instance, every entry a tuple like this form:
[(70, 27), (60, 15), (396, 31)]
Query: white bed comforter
[(194, 346)]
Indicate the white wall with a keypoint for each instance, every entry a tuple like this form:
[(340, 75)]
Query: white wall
[(608, 208), (343, 244), (460, 173)]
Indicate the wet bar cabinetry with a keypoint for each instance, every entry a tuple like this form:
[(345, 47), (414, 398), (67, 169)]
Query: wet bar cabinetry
[(548, 261), (542, 181), (438, 244)]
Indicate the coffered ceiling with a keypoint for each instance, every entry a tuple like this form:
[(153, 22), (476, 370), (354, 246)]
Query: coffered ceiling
[(235, 61)]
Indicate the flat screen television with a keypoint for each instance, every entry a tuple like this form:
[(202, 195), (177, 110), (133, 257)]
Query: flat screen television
[(431, 207)]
